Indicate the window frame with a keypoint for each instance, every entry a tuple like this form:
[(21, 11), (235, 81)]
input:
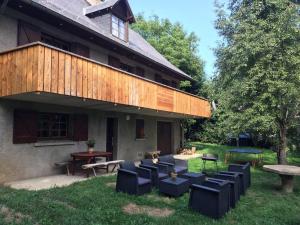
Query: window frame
[(118, 28), (67, 130)]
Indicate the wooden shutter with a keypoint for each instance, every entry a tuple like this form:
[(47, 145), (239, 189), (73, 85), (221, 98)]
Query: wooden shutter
[(81, 128), (80, 50), (114, 62), (25, 127), (28, 33)]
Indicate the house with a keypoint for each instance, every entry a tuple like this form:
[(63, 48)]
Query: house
[(73, 70)]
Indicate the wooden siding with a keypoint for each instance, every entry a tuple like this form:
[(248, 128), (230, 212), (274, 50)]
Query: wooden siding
[(40, 68)]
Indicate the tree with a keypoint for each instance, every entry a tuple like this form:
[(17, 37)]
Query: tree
[(258, 69), (178, 46), (181, 49)]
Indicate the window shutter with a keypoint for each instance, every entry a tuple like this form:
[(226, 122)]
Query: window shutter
[(28, 33), (80, 50), (114, 62), (81, 128), (25, 127)]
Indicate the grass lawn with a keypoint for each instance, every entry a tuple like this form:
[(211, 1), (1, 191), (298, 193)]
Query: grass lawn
[(95, 202)]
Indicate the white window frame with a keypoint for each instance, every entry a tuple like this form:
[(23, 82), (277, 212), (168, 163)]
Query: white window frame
[(118, 28)]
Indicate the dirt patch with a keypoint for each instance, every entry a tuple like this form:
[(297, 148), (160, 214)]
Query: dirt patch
[(11, 216), (161, 199), (111, 184), (134, 209)]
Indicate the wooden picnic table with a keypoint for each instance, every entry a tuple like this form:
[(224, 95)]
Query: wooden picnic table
[(286, 174), (88, 158)]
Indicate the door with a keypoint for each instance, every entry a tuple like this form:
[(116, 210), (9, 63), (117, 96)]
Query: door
[(164, 137), (112, 136)]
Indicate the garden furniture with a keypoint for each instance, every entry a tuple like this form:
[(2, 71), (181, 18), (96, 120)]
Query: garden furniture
[(258, 153), (286, 174), (210, 199), (210, 157), (102, 165), (65, 164), (158, 171), (133, 180), (194, 178), (243, 168), (175, 165), (242, 186), (88, 158), (174, 187)]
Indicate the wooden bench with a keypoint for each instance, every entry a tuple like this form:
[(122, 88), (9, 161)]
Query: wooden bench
[(65, 164), (102, 165)]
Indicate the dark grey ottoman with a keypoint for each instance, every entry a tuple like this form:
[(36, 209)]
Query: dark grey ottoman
[(194, 178), (174, 188)]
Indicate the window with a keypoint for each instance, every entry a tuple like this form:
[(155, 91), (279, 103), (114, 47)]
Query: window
[(53, 126), (140, 71), (126, 68), (118, 28), (140, 130), (47, 39)]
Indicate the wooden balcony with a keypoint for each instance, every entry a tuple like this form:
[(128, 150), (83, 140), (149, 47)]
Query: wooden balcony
[(39, 68)]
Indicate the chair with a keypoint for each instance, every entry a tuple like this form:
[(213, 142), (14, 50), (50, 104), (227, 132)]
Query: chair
[(243, 168), (211, 198), (234, 186), (133, 180), (210, 157), (242, 187), (158, 171), (174, 165)]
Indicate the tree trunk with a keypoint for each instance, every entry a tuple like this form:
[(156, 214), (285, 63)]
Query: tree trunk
[(281, 155)]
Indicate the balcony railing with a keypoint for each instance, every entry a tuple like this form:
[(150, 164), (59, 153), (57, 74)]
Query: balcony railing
[(41, 68)]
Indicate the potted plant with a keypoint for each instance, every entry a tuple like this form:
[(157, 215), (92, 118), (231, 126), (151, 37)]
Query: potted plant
[(90, 144), (173, 175)]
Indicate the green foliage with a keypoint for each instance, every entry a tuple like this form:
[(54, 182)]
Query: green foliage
[(257, 87), (94, 202), (176, 45)]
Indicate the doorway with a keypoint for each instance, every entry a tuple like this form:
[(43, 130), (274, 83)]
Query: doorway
[(164, 137), (112, 136)]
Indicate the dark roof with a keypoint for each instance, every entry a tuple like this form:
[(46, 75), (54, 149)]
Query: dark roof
[(74, 10)]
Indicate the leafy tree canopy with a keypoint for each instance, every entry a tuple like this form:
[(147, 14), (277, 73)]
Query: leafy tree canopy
[(258, 82), (178, 46)]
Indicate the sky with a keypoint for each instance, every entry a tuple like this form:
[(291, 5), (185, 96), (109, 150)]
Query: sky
[(196, 16)]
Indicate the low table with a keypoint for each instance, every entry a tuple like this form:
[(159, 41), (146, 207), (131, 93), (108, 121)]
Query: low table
[(286, 173), (174, 188), (194, 178)]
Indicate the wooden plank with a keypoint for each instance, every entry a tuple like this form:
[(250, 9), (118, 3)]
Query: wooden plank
[(29, 70), (4, 75), (54, 70), (10, 72), (79, 80), (17, 74), (41, 59), (47, 70), (95, 81), (99, 83), (61, 73), (24, 70), (73, 75), (90, 80), (35, 69), (68, 69), (103, 83), (84, 79)]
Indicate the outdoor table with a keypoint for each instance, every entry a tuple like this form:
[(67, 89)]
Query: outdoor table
[(259, 153), (174, 187), (286, 173), (194, 178), (88, 157)]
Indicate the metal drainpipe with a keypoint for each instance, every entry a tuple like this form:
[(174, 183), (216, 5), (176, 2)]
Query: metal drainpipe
[(3, 6)]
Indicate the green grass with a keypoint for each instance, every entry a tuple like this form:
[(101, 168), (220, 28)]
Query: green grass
[(93, 202)]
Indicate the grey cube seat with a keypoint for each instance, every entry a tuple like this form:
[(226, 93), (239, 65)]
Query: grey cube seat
[(194, 178), (174, 188)]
